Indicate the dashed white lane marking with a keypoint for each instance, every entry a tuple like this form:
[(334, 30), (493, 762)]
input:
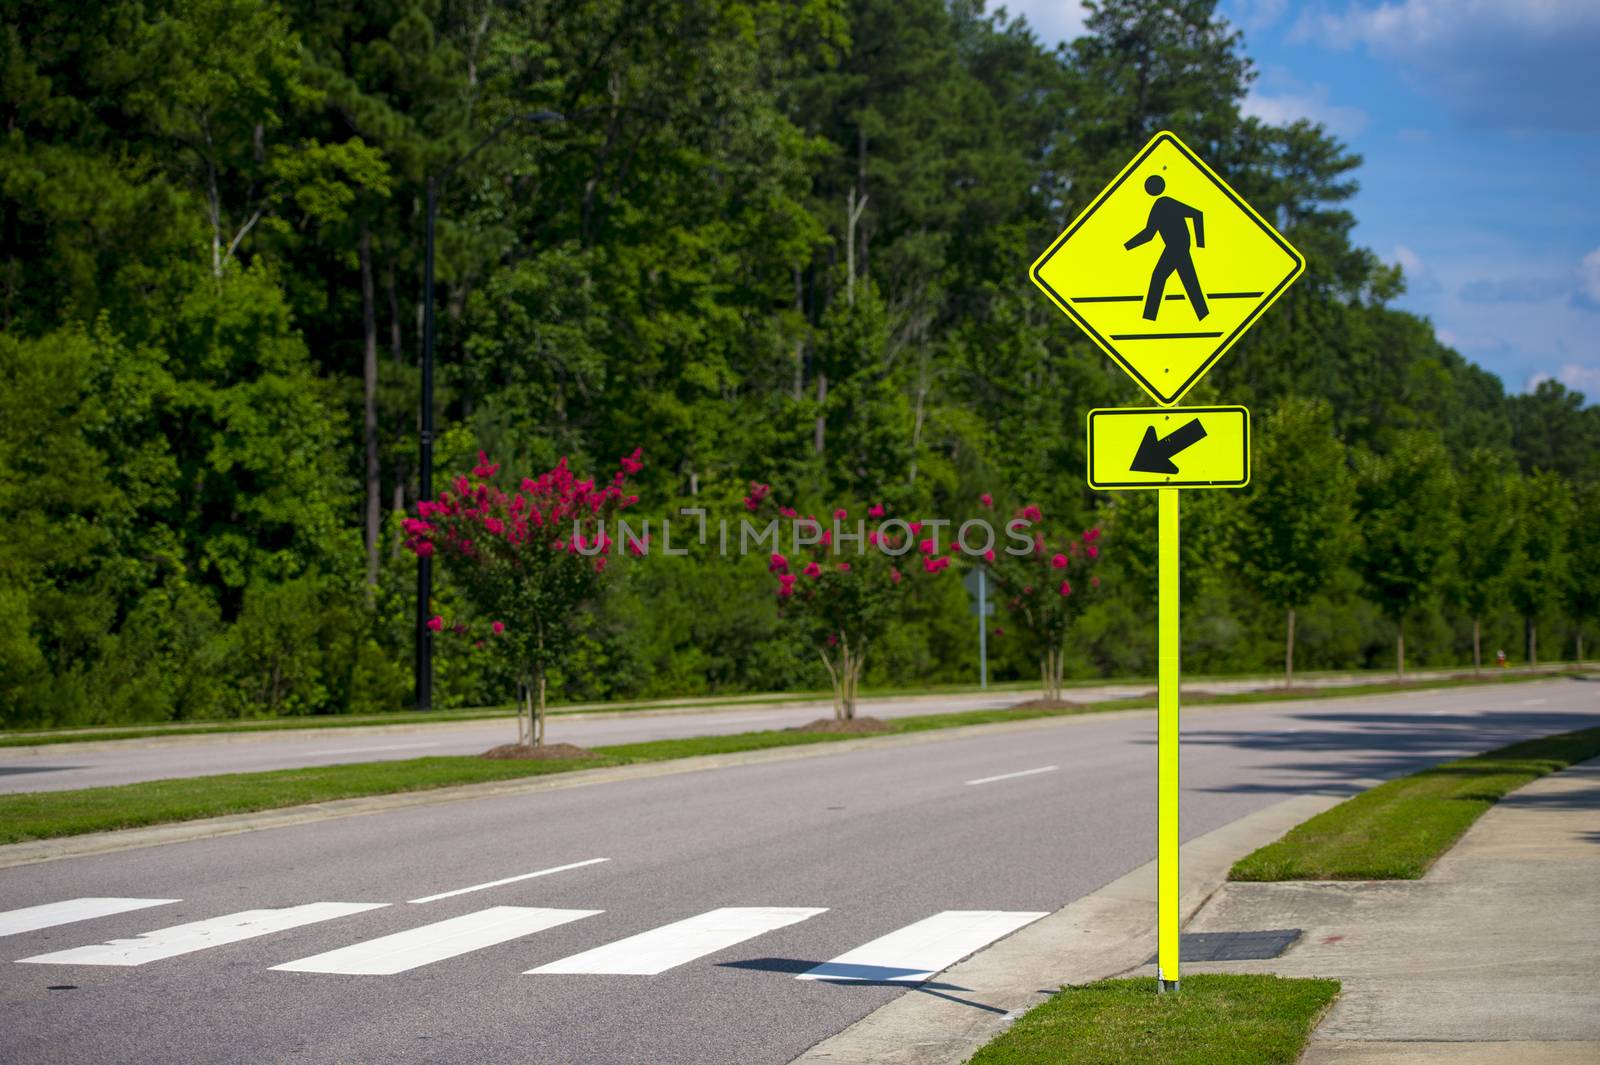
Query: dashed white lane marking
[(200, 935), (660, 949), (916, 952), (509, 880), (435, 942), (1012, 776), (51, 914), (1534, 702), (364, 750)]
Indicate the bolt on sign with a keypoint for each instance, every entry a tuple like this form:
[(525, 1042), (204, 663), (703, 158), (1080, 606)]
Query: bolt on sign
[(1165, 270)]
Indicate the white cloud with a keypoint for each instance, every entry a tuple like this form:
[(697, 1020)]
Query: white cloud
[(1503, 64), (1281, 110), (1589, 275), (1409, 260), (1257, 14), (1419, 278), (1585, 379), (1052, 20), (1280, 98)]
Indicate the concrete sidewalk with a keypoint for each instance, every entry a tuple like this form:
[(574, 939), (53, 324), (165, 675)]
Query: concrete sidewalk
[(1491, 958)]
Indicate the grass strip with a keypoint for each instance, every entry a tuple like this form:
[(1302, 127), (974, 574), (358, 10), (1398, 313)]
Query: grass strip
[(1398, 829), (41, 737), (49, 814), (99, 733), (1216, 1019)]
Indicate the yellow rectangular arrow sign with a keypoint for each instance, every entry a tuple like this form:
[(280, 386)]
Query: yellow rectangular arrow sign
[(1171, 447)]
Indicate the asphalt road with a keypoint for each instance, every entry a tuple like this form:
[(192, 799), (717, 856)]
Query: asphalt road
[(877, 839), (84, 765)]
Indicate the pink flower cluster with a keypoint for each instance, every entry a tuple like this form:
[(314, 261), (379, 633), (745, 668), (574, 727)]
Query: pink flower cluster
[(789, 574), (477, 517)]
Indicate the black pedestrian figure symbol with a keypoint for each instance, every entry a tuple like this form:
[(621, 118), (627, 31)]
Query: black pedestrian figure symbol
[(1169, 218)]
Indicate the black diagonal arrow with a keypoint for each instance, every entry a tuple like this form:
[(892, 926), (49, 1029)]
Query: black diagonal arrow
[(1155, 456)]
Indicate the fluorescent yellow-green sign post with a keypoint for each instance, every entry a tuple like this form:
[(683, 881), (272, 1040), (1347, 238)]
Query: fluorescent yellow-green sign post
[(1165, 269)]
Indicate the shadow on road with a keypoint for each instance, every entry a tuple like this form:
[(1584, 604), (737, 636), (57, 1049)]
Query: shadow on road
[(1373, 745), (14, 770)]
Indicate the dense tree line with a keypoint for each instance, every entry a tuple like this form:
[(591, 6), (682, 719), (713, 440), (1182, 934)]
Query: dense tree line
[(781, 241)]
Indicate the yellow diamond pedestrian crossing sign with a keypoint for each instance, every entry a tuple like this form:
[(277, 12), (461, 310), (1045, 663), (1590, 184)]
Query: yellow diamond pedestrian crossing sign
[(1166, 268)]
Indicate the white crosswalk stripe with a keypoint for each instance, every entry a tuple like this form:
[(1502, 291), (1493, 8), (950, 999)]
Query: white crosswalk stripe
[(33, 918), (915, 953), (908, 955), (660, 949), (201, 935), (436, 942)]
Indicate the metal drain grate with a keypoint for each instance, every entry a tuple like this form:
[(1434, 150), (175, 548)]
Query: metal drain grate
[(1234, 946)]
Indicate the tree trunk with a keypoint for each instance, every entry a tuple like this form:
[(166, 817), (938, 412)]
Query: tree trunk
[(819, 435), (394, 317), (861, 187), (1477, 648), (539, 736), (800, 344), (1051, 663), (524, 712), (369, 409), (1533, 644), (1400, 651), (857, 661), (922, 397), (844, 672), (1288, 653)]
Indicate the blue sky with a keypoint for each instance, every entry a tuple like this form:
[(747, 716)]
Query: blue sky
[(1479, 121)]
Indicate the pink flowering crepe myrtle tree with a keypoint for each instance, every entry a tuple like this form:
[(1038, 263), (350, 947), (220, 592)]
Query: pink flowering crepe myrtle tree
[(840, 598), (529, 559), (1044, 590)]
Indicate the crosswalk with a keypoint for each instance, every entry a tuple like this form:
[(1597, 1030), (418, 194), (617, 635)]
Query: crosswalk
[(910, 954)]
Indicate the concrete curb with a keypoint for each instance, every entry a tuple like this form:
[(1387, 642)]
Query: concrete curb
[(46, 850), (1100, 935)]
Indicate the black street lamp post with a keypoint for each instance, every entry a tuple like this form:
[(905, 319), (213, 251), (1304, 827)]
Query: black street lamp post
[(424, 655)]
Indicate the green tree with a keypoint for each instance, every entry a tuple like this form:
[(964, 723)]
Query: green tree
[(1583, 549), (1488, 538), (1538, 572), (1407, 513), (1298, 530)]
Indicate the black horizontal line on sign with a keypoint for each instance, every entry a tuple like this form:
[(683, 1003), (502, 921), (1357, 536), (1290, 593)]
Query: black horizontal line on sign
[(1162, 336), (1175, 296)]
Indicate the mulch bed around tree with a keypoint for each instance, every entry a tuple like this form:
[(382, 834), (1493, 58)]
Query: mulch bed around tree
[(549, 752), (854, 725)]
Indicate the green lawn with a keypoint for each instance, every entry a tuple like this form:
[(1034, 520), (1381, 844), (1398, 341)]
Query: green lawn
[(1398, 829), (1023, 689), (1214, 1020), (47, 814)]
